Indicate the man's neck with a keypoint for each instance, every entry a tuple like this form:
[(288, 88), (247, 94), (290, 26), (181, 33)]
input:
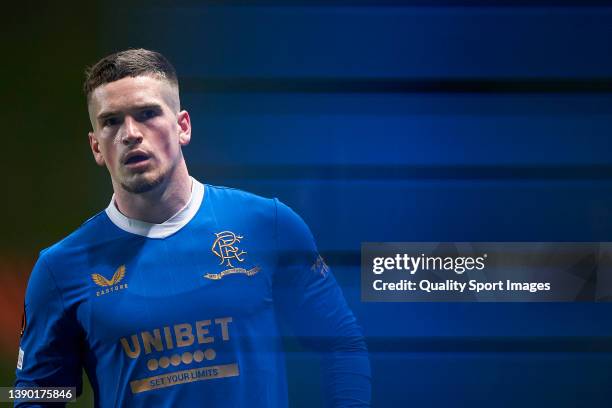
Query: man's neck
[(159, 204)]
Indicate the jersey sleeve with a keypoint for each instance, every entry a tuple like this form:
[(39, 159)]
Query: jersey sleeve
[(49, 348), (308, 297)]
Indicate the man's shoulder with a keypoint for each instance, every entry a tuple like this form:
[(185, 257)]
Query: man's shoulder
[(239, 209), (236, 197), (89, 233)]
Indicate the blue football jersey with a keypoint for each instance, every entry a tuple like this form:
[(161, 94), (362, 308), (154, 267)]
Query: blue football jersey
[(184, 313)]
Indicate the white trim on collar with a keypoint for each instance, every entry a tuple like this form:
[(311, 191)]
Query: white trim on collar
[(166, 228)]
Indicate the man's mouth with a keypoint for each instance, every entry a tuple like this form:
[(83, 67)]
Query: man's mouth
[(136, 159)]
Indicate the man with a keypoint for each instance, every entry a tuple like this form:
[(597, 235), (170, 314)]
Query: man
[(170, 296)]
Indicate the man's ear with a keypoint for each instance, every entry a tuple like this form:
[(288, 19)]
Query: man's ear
[(184, 122), (95, 149)]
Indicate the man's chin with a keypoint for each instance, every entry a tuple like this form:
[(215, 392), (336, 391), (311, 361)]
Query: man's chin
[(142, 184)]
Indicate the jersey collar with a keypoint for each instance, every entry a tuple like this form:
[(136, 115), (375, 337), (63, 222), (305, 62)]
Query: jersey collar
[(166, 228)]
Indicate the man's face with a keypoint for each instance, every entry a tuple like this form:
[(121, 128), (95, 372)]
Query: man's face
[(138, 131)]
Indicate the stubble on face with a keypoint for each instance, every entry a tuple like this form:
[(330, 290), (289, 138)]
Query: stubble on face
[(142, 186)]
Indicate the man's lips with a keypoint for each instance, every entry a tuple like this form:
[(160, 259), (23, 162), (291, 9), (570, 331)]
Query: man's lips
[(136, 159)]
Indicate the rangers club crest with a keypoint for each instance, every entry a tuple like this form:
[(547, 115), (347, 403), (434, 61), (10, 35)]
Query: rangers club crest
[(224, 247)]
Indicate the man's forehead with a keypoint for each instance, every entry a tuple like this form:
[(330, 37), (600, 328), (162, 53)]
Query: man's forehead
[(132, 92)]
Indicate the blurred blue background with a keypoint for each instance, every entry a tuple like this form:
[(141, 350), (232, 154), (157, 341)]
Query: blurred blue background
[(401, 121)]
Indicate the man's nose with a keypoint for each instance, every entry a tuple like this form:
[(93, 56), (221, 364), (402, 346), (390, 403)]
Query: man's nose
[(131, 133)]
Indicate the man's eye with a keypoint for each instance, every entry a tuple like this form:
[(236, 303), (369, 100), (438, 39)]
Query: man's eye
[(110, 122), (148, 114)]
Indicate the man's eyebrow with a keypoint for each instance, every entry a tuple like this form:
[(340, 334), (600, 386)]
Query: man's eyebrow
[(104, 115)]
